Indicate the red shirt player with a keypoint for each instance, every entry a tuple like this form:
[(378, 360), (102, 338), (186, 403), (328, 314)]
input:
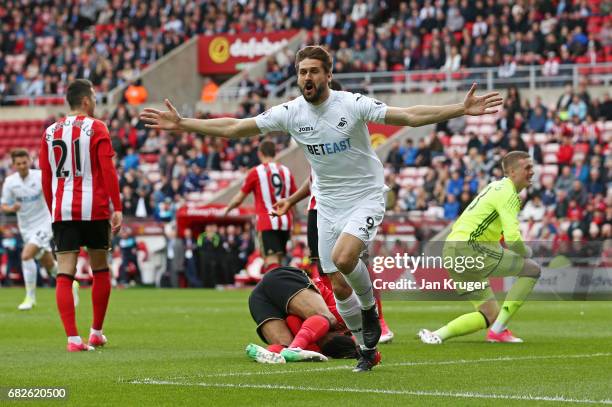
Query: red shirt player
[(269, 182), (82, 192)]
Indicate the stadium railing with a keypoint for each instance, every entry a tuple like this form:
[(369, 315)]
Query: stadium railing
[(531, 77)]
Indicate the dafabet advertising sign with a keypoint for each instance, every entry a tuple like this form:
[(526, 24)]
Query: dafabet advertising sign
[(228, 54)]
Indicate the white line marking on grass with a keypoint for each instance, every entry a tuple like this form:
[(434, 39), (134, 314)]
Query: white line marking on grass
[(468, 395), (431, 363)]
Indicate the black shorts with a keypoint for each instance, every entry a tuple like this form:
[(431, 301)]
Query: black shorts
[(270, 297), (273, 242), (313, 234), (70, 236)]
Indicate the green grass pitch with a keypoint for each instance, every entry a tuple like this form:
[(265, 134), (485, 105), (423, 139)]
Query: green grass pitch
[(171, 347)]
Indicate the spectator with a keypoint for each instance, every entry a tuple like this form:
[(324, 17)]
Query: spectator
[(409, 152), (128, 201), (455, 184), (191, 264), (566, 152), (577, 108), (508, 68), (551, 65), (394, 158), (209, 246), (453, 61), (423, 157), (175, 256), (534, 149), (537, 120), (594, 184), (136, 94), (534, 210), (565, 180), (131, 160), (578, 194), (451, 207), (129, 271)]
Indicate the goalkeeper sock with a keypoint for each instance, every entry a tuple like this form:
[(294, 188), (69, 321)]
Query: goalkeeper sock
[(515, 298), (463, 325), (359, 279), (350, 311)]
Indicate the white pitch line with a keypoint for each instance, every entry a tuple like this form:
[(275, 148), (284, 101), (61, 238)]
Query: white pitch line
[(432, 363), (468, 395)]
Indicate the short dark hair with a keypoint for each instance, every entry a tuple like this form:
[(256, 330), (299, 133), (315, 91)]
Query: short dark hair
[(267, 148), (314, 52), (340, 347), (512, 158), (19, 152), (335, 85), (77, 90)]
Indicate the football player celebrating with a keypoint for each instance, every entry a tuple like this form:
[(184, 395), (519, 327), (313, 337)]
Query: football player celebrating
[(331, 128)]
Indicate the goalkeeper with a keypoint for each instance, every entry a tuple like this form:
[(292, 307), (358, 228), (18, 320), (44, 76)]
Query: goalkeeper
[(477, 234)]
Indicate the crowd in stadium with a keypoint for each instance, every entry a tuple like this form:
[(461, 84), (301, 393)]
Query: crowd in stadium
[(44, 45), (573, 201)]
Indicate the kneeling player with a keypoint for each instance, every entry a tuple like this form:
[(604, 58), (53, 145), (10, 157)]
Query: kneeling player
[(282, 207), (476, 234), (292, 316)]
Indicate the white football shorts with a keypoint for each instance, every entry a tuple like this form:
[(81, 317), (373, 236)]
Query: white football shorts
[(360, 220)]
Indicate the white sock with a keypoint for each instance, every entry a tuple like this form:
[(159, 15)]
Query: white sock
[(53, 270), (97, 332), (498, 327), (350, 311), (75, 339), (359, 279), (30, 273)]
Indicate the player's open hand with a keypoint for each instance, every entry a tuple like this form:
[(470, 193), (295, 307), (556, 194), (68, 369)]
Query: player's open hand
[(16, 207), (226, 210), (115, 221), (479, 105), (162, 120), (281, 207)]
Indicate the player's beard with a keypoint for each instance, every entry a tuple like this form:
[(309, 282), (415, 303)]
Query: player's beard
[(316, 94)]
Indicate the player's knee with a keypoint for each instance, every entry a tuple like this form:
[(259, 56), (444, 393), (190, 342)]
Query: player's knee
[(344, 261), (27, 256), (531, 269)]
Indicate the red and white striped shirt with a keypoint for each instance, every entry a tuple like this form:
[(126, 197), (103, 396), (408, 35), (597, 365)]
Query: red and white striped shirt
[(270, 183), (312, 202), (78, 175)]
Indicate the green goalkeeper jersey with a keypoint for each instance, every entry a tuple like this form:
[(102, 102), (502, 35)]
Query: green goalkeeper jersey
[(493, 213)]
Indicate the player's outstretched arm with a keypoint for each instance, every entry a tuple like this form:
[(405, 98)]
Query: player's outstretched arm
[(235, 202), (283, 206), (171, 120), (421, 115)]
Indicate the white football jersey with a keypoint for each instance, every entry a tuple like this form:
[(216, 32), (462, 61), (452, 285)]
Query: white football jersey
[(34, 213), (335, 139)]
